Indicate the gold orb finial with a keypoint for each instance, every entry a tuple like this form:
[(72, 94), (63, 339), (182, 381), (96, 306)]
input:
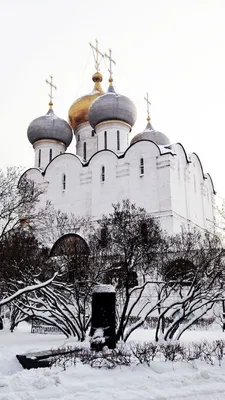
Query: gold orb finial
[(97, 77), (78, 112)]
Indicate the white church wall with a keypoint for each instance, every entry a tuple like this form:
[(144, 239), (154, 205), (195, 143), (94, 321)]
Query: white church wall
[(143, 187), (209, 203), (171, 189), (195, 198), (179, 187), (85, 134), (103, 192), (188, 185), (45, 151), (63, 175)]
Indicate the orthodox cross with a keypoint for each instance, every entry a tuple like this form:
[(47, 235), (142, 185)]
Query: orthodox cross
[(111, 62), (96, 54), (50, 83), (148, 106)]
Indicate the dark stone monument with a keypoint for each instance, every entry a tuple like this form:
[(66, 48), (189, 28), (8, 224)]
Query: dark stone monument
[(103, 322)]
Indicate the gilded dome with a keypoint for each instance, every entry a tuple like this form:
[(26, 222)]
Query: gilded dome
[(151, 134), (50, 126), (78, 112)]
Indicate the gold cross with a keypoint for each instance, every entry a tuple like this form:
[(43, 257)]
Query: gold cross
[(148, 106), (111, 61), (96, 53), (51, 87)]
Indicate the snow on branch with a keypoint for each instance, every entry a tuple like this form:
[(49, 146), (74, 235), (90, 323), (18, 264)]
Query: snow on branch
[(27, 289)]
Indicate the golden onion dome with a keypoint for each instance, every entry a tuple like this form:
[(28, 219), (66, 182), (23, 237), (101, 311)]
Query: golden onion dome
[(78, 112)]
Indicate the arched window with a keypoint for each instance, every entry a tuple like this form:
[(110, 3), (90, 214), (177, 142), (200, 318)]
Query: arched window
[(85, 150), (63, 181), (105, 139), (50, 155), (103, 174), (118, 140), (93, 132), (39, 158), (142, 167)]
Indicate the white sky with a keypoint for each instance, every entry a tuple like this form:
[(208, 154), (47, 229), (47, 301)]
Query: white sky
[(174, 49)]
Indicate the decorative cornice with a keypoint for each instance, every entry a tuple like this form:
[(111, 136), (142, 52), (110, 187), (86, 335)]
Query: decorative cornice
[(47, 141), (113, 120)]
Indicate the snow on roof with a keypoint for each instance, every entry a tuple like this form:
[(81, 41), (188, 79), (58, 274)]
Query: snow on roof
[(165, 149), (104, 289)]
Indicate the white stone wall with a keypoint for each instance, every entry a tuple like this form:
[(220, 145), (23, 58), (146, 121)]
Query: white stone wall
[(172, 189), (85, 134), (42, 152)]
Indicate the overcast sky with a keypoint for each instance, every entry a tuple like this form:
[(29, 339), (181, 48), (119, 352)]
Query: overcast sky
[(174, 49)]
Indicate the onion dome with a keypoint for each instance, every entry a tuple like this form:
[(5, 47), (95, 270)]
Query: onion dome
[(78, 112), (51, 127), (112, 106), (151, 134)]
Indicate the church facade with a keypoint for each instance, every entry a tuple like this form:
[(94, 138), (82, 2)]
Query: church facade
[(105, 165)]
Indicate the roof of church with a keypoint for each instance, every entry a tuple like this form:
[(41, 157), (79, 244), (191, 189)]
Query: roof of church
[(112, 106), (78, 112), (151, 134), (50, 126)]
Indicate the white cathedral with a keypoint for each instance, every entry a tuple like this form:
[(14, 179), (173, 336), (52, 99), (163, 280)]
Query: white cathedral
[(106, 166)]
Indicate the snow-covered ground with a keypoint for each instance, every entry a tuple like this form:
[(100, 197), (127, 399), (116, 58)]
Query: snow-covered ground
[(160, 381)]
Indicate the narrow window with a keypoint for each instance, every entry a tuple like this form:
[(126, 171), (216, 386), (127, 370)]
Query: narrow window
[(144, 232), (85, 150), (50, 155), (103, 174), (39, 158), (118, 140), (105, 139), (78, 138), (104, 236), (64, 182), (142, 167), (93, 132)]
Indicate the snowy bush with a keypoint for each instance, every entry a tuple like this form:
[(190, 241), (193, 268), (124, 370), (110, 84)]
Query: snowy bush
[(142, 353)]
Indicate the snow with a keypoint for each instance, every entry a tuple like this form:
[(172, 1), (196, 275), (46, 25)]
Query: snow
[(160, 381), (104, 289)]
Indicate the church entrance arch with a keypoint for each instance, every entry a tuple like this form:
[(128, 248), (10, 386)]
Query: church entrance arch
[(69, 244), (72, 254)]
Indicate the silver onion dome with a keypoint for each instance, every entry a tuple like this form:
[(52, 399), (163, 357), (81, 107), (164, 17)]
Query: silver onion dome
[(50, 126), (151, 134), (112, 106)]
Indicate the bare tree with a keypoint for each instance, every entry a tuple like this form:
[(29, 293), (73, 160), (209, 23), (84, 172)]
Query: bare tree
[(66, 304), (177, 278), (18, 201), (193, 267), (19, 251), (129, 239)]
